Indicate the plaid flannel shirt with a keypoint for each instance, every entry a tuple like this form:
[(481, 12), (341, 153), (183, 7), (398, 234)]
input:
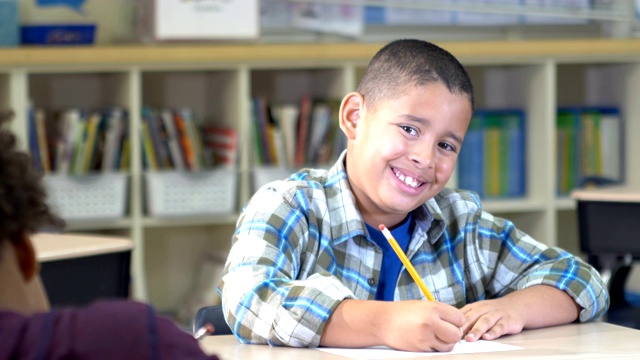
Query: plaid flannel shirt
[(301, 247)]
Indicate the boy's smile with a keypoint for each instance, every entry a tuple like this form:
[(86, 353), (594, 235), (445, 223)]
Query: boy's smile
[(402, 152)]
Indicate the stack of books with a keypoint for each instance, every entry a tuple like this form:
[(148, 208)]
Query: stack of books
[(77, 142), (174, 140), (296, 135)]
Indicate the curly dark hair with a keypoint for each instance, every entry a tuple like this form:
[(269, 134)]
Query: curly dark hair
[(22, 195)]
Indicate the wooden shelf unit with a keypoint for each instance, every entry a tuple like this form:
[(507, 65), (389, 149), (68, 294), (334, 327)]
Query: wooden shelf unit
[(218, 81)]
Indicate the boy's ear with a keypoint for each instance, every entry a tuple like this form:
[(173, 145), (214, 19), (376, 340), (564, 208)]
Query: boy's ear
[(351, 111), (26, 256)]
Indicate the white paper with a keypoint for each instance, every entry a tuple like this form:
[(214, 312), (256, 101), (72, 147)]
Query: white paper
[(206, 19), (381, 352)]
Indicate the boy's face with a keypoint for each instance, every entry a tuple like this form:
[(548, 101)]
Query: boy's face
[(403, 152)]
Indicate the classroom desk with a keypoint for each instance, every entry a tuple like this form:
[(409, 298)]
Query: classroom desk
[(78, 269), (595, 340), (608, 217)]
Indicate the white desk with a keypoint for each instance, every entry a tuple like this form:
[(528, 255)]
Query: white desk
[(51, 247), (596, 340), (78, 269)]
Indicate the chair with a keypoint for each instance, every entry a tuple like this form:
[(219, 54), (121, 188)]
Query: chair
[(212, 315), (607, 224)]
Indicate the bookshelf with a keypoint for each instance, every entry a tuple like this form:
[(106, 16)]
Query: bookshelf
[(218, 81)]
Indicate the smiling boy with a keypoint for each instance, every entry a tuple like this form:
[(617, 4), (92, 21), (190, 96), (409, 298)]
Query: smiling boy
[(309, 267)]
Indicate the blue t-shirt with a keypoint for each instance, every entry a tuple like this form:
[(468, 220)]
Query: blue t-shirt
[(391, 264)]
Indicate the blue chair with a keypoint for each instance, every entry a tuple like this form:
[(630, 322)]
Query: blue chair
[(212, 315)]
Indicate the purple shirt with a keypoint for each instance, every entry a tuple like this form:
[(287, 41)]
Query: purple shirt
[(115, 329)]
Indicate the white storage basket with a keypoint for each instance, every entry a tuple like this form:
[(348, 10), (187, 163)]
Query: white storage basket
[(178, 193), (88, 197)]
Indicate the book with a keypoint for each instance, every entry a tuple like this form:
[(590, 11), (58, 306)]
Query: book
[(79, 141), (471, 158), (567, 146), (303, 130), (173, 140), (195, 138), (513, 127), (492, 124), (321, 117), (71, 123), (43, 144), (112, 140), (148, 149), (610, 144), (286, 117), (34, 151), (265, 152), (158, 138), (181, 118)]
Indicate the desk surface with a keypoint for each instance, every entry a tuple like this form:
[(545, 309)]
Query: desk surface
[(608, 193), (596, 340), (51, 247)]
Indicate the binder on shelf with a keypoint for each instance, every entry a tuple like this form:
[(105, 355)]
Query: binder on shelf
[(492, 160), (589, 145)]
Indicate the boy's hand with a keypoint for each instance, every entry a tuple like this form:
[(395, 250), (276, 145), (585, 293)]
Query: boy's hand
[(533, 307), (410, 325), (490, 319), (420, 325)]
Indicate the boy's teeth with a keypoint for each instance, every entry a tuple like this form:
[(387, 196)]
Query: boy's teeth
[(407, 180)]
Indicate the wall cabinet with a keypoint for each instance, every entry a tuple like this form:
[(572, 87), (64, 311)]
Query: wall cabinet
[(219, 81)]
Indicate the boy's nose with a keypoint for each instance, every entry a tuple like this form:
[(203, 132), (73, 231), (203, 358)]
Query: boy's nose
[(423, 156)]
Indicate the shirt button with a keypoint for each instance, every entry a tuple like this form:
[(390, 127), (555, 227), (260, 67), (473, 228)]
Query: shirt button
[(372, 281)]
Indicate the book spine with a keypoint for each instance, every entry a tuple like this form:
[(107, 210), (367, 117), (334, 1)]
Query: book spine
[(515, 123), (43, 146), (470, 160)]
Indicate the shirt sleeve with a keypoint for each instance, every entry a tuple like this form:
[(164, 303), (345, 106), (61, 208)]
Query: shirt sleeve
[(273, 289), (516, 261)]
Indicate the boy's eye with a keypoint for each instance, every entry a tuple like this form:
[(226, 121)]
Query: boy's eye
[(409, 130), (447, 146)]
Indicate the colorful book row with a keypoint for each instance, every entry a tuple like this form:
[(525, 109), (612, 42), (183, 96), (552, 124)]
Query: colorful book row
[(296, 135), (77, 142), (492, 159), (174, 140), (589, 143)]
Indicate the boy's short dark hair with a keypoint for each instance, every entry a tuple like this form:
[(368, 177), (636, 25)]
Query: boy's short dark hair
[(407, 62), (22, 194)]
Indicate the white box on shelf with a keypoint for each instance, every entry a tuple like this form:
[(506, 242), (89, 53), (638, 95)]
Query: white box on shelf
[(170, 20), (179, 193), (266, 174), (88, 197)]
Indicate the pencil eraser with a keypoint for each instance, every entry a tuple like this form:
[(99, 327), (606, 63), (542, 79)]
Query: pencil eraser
[(382, 227)]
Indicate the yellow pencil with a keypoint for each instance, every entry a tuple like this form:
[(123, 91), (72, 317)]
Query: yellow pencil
[(406, 262)]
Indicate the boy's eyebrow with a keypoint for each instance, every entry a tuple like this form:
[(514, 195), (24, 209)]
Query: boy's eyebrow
[(422, 121)]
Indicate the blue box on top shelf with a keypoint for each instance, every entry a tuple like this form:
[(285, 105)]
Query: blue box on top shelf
[(9, 23), (61, 34)]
